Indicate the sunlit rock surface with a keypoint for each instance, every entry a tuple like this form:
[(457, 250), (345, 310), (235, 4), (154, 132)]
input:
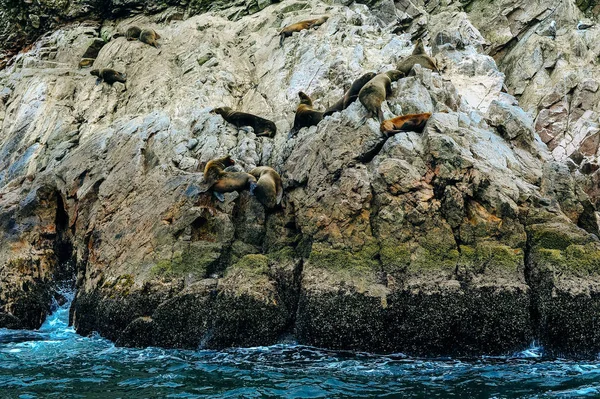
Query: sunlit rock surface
[(472, 237)]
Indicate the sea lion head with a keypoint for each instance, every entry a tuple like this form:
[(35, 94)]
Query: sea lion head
[(367, 76), (228, 161), (394, 75), (221, 110), (95, 72), (304, 98)]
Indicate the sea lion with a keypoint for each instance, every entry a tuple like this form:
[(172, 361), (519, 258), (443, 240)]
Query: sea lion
[(419, 48), (86, 62), (268, 189), (261, 126), (133, 33), (299, 26), (419, 56), (220, 182), (149, 36), (377, 90), (109, 76), (351, 95), (306, 115), (405, 123)]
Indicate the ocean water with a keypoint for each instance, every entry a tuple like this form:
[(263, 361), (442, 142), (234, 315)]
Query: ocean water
[(55, 362)]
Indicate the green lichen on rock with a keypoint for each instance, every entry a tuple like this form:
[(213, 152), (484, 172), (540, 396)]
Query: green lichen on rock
[(255, 263), (395, 258), (558, 236), (283, 255), (324, 257), (121, 285), (425, 259), (492, 256), (579, 259), (193, 259)]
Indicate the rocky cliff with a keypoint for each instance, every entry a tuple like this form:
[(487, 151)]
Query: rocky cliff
[(477, 236)]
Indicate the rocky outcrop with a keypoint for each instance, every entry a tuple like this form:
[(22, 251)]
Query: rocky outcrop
[(550, 65), (22, 22), (468, 238)]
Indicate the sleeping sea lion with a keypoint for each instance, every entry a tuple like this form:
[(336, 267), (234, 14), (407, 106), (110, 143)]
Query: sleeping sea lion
[(133, 33), (149, 36), (299, 26), (261, 126), (405, 123)]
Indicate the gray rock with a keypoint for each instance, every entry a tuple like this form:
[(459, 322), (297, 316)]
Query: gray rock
[(406, 243)]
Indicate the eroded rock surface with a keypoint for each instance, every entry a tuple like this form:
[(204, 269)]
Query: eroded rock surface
[(470, 238)]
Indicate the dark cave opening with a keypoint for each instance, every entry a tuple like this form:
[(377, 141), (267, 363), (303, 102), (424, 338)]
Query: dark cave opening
[(65, 272)]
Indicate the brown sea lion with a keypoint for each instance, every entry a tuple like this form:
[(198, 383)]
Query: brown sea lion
[(268, 189), (86, 62), (419, 48), (306, 115), (351, 95), (261, 126), (149, 36), (133, 33), (405, 123), (299, 26), (419, 56), (109, 76), (220, 181), (377, 90)]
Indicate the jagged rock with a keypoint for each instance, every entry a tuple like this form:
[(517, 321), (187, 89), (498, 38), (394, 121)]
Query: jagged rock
[(425, 243), (512, 123)]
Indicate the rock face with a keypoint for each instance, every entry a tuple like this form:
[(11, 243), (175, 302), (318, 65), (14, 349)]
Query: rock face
[(470, 238)]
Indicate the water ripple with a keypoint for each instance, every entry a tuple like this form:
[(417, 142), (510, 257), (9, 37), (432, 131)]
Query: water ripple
[(55, 362)]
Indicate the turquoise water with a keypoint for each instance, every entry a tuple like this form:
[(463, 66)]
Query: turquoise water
[(55, 362)]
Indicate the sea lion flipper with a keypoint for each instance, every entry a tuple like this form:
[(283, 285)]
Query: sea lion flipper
[(281, 39), (98, 81), (292, 133), (219, 196), (204, 187), (380, 115)]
